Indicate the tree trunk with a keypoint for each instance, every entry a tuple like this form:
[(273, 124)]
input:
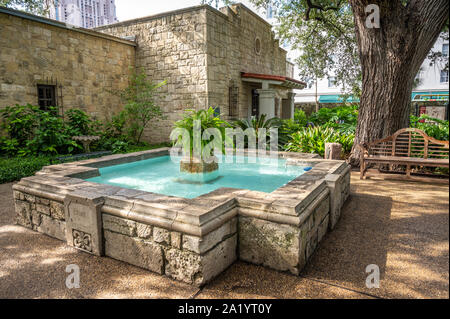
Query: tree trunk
[(391, 56)]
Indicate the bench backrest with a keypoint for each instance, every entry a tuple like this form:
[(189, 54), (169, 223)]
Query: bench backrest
[(409, 142)]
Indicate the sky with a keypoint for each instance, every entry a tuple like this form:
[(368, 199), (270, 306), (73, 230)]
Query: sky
[(131, 9)]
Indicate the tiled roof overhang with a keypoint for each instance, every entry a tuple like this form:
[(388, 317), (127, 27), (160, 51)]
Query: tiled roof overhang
[(284, 80)]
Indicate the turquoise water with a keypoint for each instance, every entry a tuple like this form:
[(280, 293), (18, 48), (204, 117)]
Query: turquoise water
[(161, 175)]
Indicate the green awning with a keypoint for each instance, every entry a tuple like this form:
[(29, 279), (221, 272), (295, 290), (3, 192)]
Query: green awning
[(430, 96), (336, 98), (415, 96)]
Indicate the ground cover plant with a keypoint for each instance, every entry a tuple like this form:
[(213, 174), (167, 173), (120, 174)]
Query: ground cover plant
[(34, 137)]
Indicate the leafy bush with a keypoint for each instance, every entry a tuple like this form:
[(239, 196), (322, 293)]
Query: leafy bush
[(258, 123), (300, 118), (116, 127), (13, 169), (50, 136), (32, 131), (119, 147), (19, 122), (140, 107), (313, 140), (8, 146), (286, 129), (79, 123), (342, 118), (433, 127)]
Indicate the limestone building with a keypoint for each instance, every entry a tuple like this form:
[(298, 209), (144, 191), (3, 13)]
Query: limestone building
[(228, 59)]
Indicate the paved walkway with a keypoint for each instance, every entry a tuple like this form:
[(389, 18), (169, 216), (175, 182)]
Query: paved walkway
[(403, 227)]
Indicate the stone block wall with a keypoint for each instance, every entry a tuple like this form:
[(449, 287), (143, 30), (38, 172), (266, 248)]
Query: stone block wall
[(283, 246), (170, 47), (272, 58), (201, 52), (339, 186), (183, 257), (191, 259), (89, 65), (40, 214), (231, 50), (180, 256)]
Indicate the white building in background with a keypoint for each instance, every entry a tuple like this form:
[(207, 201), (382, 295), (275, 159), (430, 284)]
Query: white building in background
[(84, 13), (432, 80)]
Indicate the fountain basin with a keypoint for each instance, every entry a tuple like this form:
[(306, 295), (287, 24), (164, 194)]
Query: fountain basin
[(188, 239)]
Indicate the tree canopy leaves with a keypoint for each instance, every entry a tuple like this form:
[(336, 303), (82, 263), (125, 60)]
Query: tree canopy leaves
[(323, 32), (39, 7)]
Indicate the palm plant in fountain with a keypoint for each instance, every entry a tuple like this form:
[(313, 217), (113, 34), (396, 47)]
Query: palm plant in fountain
[(260, 126), (200, 134)]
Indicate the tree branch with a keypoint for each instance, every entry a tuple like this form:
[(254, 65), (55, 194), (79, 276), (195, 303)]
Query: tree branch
[(312, 5)]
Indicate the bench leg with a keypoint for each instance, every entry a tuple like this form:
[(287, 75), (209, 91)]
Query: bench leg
[(408, 171), (362, 173), (361, 170)]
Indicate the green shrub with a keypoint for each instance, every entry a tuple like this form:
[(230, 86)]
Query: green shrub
[(257, 123), (50, 136), (116, 127), (13, 169), (313, 140), (433, 127), (342, 117), (8, 146), (78, 123), (19, 122), (300, 118), (140, 107), (286, 129), (119, 147), (32, 131)]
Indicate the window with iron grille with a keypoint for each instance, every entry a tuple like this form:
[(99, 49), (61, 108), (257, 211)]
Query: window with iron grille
[(255, 103), (233, 95), (46, 96)]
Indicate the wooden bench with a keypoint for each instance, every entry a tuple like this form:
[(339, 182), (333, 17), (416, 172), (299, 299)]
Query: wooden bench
[(409, 147)]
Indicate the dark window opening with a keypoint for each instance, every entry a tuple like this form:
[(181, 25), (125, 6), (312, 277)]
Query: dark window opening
[(217, 112), (233, 96), (46, 96), (255, 103)]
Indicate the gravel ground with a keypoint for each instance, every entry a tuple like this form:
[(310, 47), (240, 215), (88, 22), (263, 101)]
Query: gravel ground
[(403, 227)]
